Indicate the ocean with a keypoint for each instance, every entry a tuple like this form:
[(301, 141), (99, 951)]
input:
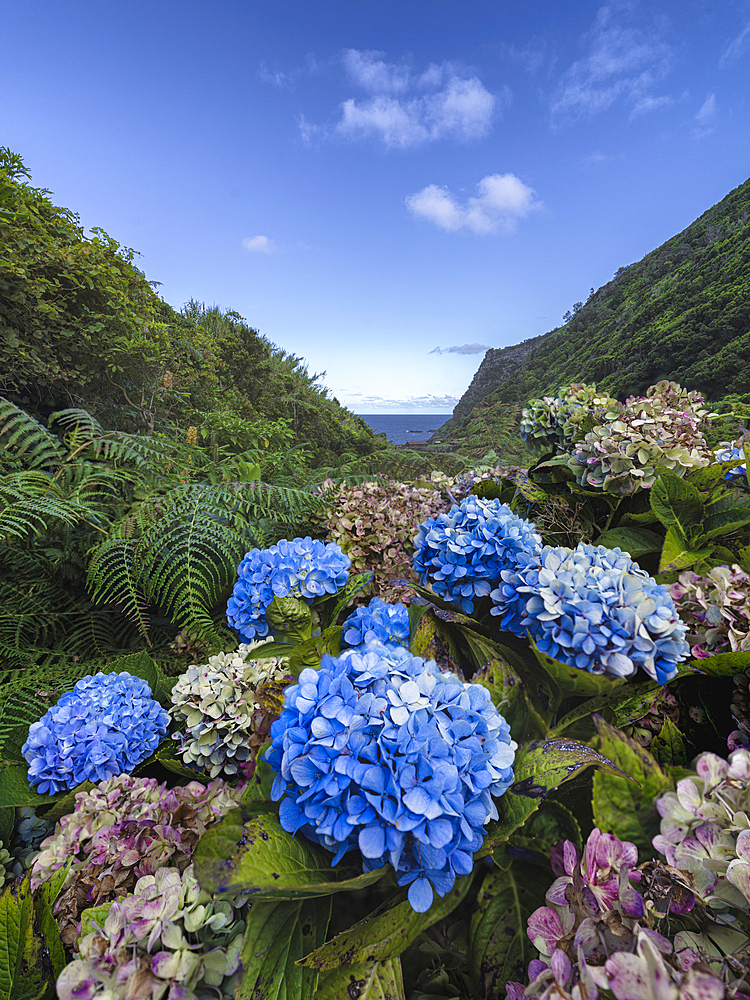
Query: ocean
[(400, 428)]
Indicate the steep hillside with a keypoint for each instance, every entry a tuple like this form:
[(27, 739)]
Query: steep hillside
[(682, 312)]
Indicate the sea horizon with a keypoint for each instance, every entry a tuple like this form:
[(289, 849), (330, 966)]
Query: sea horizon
[(402, 428)]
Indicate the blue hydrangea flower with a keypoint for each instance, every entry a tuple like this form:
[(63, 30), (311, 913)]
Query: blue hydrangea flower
[(380, 750), (595, 609), (105, 726), (303, 568), (379, 620), (463, 553), (728, 453)]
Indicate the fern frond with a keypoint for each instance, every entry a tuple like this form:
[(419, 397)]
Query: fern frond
[(26, 438), (78, 425), (30, 504), (115, 576)]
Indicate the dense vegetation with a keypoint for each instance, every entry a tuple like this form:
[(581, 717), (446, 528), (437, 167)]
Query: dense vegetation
[(682, 312)]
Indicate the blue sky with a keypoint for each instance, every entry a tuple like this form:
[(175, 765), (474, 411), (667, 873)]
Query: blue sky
[(385, 188)]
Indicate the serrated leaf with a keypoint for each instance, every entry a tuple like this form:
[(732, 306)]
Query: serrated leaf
[(290, 619), (636, 541), (539, 768), (677, 554), (387, 932), (552, 822), (364, 981), (259, 857), (168, 755), (668, 746), (572, 681), (93, 918), (707, 477), (623, 807), (278, 935), (310, 652), (25, 966), (676, 503), (499, 947), (64, 804), (44, 901), (258, 788), (620, 702), (720, 664), (644, 517)]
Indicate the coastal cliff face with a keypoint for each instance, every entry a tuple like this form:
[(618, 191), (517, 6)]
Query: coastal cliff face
[(498, 366), (682, 312)]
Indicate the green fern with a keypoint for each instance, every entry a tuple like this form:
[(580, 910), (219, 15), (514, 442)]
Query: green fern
[(180, 551), (27, 439)]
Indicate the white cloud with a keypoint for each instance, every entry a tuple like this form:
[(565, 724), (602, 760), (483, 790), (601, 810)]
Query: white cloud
[(405, 109), (705, 117), (647, 103), (736, 47), (259, 244), (624, 62), (371, 73), (502, 200), (412, 404), (461, 349)]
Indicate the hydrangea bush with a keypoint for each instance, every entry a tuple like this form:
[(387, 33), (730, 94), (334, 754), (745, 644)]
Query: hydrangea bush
[(374, 523), (169, 937), (463, 553), (555, 422), (716, 608), (227, 706), (595, 609), (105, 726), (380, 750), (304, 568)]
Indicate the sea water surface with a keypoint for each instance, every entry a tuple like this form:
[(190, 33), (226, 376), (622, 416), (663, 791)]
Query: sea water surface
[(401, 428)]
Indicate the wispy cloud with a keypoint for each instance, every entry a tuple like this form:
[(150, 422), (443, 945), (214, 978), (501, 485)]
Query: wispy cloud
[(259, 244), (705, 117), (461, 349), (411, 404), (288, 78), (624, 61), (502, 200), (736, 47), (407, 109)]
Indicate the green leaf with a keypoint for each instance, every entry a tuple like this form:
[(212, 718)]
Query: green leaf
[(723, 522), (636, 541), (259, 857), (511, 699), (677, 555), (552, 822), (387, 932), (623, 700), (64, 804), (573, 681), (15, 789), (25, 966), (93, 918), (7, 823), (289, 619), (258, 788), (278, 935), (499, 947), (705, 478), (364, 981), (539, 768), (643, 517), (336, 604), (432, 640), (168, 755), (44, 901), (668, 747), (719, 665), (310, 652), (623, 807), (676, 503)]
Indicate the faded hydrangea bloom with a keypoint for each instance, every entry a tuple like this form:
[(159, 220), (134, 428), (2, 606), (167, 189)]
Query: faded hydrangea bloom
[(555, 422), (716, 608), (121, 830), (595, 934), (662, 432), (700, 825), (169, 937), (227, 706)]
